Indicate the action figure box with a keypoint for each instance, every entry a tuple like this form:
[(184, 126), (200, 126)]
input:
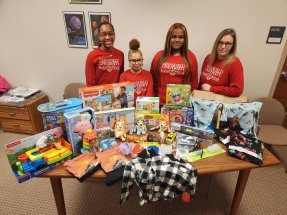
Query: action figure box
[(77, 123), (31, 156), (203, 135), (108, 96), (108, 119), (178, 94), (147, 105)]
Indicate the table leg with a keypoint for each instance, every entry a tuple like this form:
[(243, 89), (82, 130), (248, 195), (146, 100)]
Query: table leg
[(239, 190), (58, 195)]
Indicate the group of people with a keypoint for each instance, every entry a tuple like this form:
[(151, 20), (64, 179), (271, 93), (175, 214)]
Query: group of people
[(221, 72)]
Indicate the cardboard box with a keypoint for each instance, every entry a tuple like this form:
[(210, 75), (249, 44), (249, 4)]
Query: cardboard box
[(108, 96), (178, 94), (220, 98), (77, 122), (147, 105), (34, 155), (151, 120)]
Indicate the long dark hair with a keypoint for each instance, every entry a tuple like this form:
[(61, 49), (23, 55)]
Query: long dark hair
[(168, 51)]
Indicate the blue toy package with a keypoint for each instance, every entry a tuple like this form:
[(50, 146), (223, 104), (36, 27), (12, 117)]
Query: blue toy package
[(77, 122), (52, 112)]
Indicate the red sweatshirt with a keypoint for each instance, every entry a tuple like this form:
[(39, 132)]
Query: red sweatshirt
[(172, 71), (104, 67), (142, 81), (228, 81)]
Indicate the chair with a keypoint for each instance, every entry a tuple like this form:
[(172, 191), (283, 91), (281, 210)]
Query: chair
[(72, 90), (271, 118), (271, 131)]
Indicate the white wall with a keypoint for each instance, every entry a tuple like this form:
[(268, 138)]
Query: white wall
[(34, 50)]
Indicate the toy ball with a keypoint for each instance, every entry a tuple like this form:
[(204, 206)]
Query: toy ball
[(154, 148), (125, 148), (185, 197), (75, 23)]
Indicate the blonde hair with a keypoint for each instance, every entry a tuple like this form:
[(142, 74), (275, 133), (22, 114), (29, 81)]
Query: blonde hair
[(232, 52)]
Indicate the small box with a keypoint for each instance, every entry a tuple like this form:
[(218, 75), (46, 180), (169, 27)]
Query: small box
[(34, 155), (149, 105), (108, 96), (178, 94), (77, 122), (52, 112), (151, 120)]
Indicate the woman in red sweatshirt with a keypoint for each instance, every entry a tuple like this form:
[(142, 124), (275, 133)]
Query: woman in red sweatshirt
[(222, 71), (176, 64), (105, 63)]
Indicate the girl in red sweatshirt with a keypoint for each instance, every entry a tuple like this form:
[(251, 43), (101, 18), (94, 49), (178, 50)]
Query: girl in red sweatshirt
[(176, 64), (222, 71)]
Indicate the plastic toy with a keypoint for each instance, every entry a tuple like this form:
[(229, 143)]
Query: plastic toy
[(120, 129), (164, 126), (170, 138), (89, 141), (185, 197), (140, 127), (136, 150), (125, 148)]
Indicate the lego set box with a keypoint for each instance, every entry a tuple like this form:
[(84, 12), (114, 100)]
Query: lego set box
[(34, 155), (108, 96)]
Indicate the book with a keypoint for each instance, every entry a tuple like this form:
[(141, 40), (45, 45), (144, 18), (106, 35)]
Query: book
[(108, 96)]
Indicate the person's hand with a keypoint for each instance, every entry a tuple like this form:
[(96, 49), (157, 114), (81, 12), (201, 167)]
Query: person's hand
[(205, 87)]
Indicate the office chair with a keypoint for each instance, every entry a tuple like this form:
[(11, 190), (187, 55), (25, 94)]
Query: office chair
[(72, 90)]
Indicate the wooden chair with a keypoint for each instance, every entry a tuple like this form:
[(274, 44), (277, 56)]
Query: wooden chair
[(72, 90)]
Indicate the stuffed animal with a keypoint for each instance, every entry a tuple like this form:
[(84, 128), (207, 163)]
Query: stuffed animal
[(164, 126), (140, 127), (120, 129)]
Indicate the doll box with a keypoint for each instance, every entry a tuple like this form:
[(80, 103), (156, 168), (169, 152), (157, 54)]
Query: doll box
[(149, 105), (178, 94), (77, 122), (52, 112), (34, 155), (108, 96)]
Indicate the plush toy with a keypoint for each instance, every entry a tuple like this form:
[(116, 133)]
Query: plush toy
[(164, 126), (140, 127), (120, 129)]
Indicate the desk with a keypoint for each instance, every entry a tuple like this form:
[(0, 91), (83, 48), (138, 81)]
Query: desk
[(217, 164)]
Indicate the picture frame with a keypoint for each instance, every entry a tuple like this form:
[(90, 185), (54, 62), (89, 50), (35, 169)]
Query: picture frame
[(96, 18), (85, 1), (75, 29)]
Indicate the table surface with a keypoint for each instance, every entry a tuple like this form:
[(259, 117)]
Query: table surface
[(216, 164)]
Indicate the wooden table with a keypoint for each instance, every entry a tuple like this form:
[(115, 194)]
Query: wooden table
[(216, 164)]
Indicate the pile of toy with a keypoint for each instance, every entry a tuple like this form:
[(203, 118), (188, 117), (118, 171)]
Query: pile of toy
[(103, 129)]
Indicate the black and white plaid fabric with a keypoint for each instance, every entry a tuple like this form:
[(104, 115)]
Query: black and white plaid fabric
[(158, 177)]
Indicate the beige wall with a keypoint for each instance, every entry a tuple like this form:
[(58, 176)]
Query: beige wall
[(34, 50)]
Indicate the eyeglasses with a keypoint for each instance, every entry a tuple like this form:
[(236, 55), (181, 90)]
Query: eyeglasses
[(136, 60), (110, 34), (227, 44)]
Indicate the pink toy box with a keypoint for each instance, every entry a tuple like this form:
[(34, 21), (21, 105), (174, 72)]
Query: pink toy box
[(108, 96), (77, 122), (34, 155)]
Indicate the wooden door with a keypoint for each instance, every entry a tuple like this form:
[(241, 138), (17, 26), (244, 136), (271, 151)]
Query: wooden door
[(280, 92)]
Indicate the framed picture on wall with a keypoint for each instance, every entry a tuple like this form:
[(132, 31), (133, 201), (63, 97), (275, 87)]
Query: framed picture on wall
[(85, 1), (96, 18), (75, 29)]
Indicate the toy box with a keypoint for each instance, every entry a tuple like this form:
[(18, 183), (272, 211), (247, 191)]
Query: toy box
[(201, 134), (151, 120), (108, 118), (34, 155), (149, 105), (179, 114), (77, 122), (52, 112), (108, 96), (178, 94)]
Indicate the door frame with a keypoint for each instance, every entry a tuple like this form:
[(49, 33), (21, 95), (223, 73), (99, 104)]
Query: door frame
[(278, 71)]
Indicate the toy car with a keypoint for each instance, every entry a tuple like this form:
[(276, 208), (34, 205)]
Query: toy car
[(170, 138)]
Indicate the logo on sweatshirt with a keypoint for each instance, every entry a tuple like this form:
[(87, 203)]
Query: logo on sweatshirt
[(173, 68), (140, 86), (109, 64)]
